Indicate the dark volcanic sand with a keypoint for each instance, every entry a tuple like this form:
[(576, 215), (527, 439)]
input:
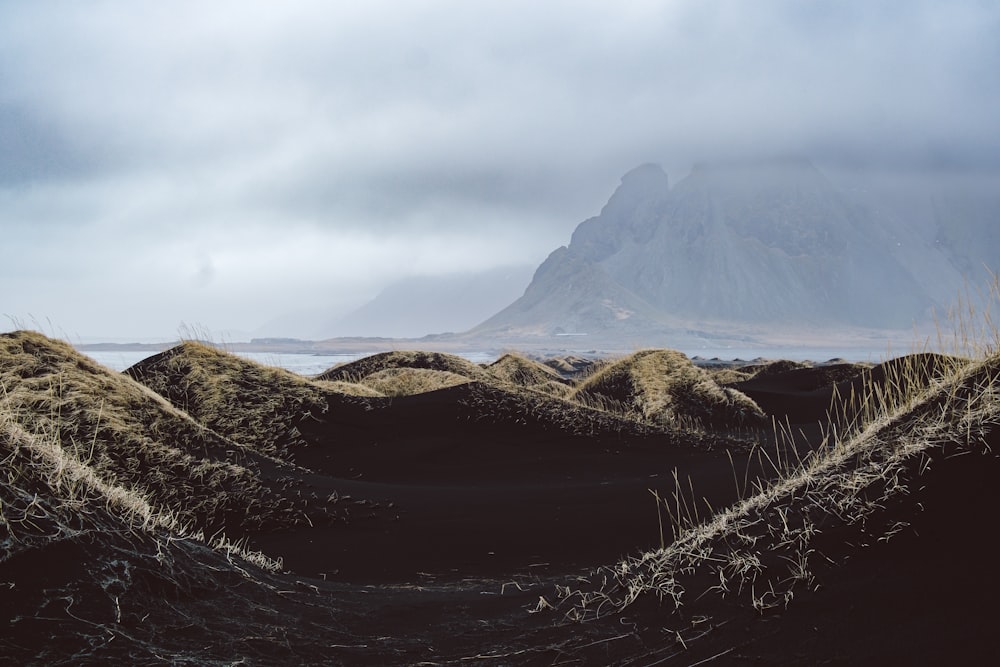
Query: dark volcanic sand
[(455, 496), (466, 524), (466, 511), (924, 597)]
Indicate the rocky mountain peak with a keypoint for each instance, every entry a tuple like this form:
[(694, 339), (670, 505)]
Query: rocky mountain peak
[(627, 215), (742, 242), (645, 184)]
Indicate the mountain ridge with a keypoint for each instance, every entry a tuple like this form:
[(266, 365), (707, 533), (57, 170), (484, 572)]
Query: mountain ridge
[(753, 242)]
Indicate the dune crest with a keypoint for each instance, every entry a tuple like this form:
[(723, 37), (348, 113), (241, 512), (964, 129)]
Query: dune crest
[(204, 508)]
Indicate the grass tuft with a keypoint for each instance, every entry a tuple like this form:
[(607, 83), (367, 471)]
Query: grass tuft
[(664, 387)]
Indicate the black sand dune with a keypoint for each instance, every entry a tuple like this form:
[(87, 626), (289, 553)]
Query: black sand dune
[(524, 372), (486, 522), (806, 395), (438, 361), (800, 394), (115, 428), (919, 597), (466, 476), (664, 386)]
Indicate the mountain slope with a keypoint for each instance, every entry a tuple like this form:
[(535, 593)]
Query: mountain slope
[(570, 294), (757, 243), (767, 241)]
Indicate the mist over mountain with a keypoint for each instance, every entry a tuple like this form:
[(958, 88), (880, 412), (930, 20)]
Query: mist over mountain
[(422, 305), (767, 243)]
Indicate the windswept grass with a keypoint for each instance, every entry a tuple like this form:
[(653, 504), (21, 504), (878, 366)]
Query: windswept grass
[(774, 367), (256, 405), (437, 361), (665, 387), (101, 430), (764, 549), (888, 425), (511, 406), (519, 370), (725, 375), (887, 387), (348, 388), (553, 388), (98, 573), (573, 367), (515, 370), (410, 381)]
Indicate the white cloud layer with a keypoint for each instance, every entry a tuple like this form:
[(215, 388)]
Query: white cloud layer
[(222, 162)]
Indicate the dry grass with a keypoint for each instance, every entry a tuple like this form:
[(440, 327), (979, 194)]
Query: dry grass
[(256, 405), (724, 375), (515, 407), (518, 370), (763, 548), (880, 390), (407, 373), (410, 381), (99, 573), (665, 387), (774, 367), (44, 487), (573, 367), (101, 430), (554, 388), (347, 388), (437, 361)]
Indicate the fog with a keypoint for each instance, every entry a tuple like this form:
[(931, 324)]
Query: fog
[(224, 164)]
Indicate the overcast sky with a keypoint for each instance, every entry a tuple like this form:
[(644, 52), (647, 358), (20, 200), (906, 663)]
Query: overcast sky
[(222, 163)]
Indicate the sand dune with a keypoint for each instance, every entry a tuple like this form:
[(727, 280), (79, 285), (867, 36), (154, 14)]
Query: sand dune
[(664, 386), (107, 425), (426, 520), (437, 361)]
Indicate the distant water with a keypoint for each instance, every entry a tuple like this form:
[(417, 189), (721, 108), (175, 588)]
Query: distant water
[(314, 364), (815, 354), (303, 364)]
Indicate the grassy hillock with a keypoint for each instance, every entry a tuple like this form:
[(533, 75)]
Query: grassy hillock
[(665, 387), (491, 491), (435, 361), (247, 402), (523, 372), (864, 486), (410, 381), (95, 572), (573, 367), (518, 371), (94, 424)]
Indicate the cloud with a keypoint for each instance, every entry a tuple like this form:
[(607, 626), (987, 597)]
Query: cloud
[(366, 140)]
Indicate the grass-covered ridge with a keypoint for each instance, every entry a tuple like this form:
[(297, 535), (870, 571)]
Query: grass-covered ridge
[(248, 402), (410, 381), (913, 412), (519, 370), (267, 408), (435, 361), (96, 573), (665, 387), (113, 498), (103, 426)]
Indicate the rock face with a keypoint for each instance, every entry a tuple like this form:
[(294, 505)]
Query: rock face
[(766, 242)]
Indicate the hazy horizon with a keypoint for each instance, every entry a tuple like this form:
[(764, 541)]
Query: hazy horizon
[(225, 166)]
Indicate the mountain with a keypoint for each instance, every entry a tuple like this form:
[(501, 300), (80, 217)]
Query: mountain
[(767, 243), (570, 294)]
